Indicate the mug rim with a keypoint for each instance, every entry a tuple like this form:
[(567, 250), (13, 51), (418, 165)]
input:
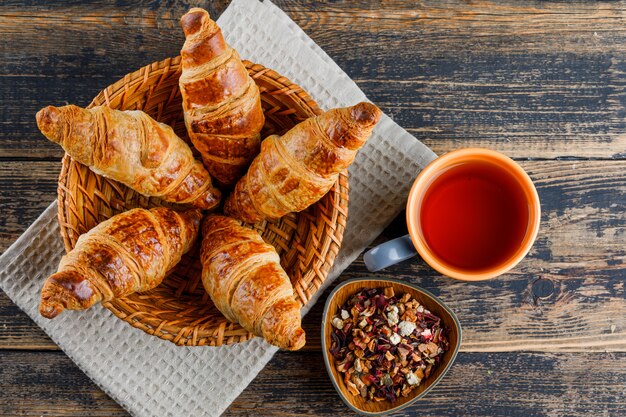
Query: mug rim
[(423, 181)]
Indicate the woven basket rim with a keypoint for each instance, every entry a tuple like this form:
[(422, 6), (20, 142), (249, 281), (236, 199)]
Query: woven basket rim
[(153, 75)]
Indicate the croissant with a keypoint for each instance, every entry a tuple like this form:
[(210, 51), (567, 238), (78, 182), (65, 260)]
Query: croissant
[(132, 148), (243, 276), (221, 103), (297, 169), (130, 252)]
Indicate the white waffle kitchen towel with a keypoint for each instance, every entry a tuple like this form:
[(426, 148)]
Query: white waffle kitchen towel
[(151, 377)]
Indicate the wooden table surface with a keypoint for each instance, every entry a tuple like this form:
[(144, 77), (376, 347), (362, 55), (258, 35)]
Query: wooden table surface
[(543, 82)]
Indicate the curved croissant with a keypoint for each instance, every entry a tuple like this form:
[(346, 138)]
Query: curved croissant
[(243, 276), (222, 104), (297, 169), (131, 252), (132, 148)]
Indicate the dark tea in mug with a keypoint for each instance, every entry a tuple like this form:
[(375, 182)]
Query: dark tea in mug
[(474, 215)]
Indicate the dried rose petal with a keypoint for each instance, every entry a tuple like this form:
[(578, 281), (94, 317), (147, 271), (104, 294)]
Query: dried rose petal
[(377, 353)]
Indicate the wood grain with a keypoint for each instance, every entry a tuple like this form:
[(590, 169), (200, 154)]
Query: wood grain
[(539, 79), (48, 383), (18, 331), (478, 384), (28, 187), (69, 51), (567, 295), (535, 79)]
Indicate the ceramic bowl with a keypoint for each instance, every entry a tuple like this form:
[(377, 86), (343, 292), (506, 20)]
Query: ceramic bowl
[(340, 295)]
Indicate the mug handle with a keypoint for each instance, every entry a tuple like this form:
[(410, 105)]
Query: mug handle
[(389, 253)]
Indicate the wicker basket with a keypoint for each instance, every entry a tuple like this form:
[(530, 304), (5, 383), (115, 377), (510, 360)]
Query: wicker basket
[(179, 310)]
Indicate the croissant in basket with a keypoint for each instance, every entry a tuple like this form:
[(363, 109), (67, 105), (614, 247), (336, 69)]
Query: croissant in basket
[(132, 148), (243, 276), (131, 252), (297, 169), (221, 102)]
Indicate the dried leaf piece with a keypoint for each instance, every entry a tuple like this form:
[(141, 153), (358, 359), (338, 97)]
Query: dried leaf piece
[(377, 353)]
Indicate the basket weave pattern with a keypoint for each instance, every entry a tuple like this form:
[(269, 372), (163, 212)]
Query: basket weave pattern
[(179, 310)]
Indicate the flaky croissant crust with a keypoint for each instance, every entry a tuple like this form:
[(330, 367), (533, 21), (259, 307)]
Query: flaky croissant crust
[(221, 102), (131, 252), (132, 148), (297, 169), (243, 276)]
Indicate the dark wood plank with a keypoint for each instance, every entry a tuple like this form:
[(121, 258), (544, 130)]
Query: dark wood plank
[(515, 384), (568, 294), (478, 384), (28, 187), (69, 51), (542, 79), (48, 383), (535, 79), (18, 331), (511, 384)]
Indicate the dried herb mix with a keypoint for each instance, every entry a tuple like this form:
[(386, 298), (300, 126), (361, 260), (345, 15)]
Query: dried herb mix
[(385, 345)]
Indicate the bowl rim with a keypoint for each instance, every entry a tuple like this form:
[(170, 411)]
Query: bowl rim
[(434, 382)]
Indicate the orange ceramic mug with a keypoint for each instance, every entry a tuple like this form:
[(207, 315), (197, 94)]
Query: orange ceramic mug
[(492, 167)]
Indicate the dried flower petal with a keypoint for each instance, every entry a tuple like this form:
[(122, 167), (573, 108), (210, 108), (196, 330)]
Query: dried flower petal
[(380, 356)]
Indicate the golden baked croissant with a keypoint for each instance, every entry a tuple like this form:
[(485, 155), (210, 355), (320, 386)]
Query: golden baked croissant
[(297, 169), (132, 148), (131, 252), (243, 276), (221, 102)]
